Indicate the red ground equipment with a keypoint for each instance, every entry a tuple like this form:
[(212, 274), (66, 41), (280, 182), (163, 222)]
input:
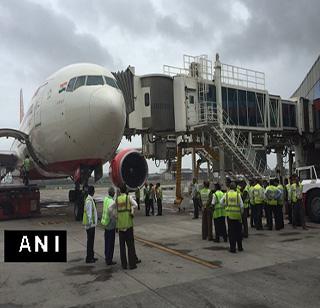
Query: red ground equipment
[(18, 201)]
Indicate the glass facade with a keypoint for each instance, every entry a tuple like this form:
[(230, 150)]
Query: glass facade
[(288, 115)]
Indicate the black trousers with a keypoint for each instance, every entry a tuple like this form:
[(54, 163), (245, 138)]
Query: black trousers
[(245, 222), (235, 234), (280, 215), (90, 243), (151, 206), (273, 211), (159, 205), (126, 239), (196, 205), (298, 215), (252, 216), (147, 206), (207, 224), (138, 203), (290, 212), (109, 239), (220, 228), (257, 211)]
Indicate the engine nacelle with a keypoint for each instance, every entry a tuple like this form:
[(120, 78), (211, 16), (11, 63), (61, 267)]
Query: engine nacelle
[(129, 167)]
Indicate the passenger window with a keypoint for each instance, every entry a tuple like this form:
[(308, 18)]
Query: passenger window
[(147, 99), (71, 84), (111, 82), (94, 80), (80, 82)]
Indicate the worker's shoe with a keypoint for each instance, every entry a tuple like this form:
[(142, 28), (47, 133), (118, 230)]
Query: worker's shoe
[(138, 261), (216, 240), (240, 249), (232, 250), (111, 263), (133, 267), (91, 261)]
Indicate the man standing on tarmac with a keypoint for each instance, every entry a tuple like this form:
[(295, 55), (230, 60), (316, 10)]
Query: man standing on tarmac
[(272, 195), (288, 199), (234, 206), (258, 201), (194, 191), (297, 206), (26, 169), (90, 219), (246, 201), (146, 195), (152, 197), (206, 212), (280, 202), (158, 191), (137, 195), (219, 215), (125, 208), (252, 208), (109, 220)]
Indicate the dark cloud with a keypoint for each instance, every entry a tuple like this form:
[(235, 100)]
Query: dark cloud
[(43, 41)]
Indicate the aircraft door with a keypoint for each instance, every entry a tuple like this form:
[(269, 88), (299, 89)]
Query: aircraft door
[(37, 107), (191, 104)]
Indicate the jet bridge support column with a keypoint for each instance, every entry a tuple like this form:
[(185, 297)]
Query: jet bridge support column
[(217, 80), (298, 150)]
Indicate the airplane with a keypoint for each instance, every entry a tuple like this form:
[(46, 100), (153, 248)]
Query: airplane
[(73, 126)]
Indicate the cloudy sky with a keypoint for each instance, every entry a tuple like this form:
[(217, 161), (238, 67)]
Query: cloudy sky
[(278, 37)]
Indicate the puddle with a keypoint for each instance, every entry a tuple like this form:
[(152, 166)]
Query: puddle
[(100, 275), (289, 233), (216, 248), (34, 280), (291, 240)]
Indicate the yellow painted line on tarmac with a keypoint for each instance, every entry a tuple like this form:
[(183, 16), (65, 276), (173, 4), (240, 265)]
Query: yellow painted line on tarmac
[(176, 253)]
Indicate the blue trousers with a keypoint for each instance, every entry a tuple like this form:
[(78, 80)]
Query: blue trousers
[(109, 238)]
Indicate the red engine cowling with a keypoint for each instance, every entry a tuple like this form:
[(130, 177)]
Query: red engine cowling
[(129, 167)]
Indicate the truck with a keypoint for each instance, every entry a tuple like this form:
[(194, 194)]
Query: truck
[(311, 191)]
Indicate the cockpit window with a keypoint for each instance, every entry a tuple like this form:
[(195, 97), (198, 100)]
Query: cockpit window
[(71, 84), (94, 80), (81, 80), (111, 82)]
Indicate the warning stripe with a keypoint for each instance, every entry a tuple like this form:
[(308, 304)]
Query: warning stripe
[(176, 253)]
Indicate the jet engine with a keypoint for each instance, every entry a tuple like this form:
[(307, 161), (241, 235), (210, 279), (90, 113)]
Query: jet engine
[(129, 167)]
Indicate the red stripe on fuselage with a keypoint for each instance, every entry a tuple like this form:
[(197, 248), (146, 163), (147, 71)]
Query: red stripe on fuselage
[(65, 167)]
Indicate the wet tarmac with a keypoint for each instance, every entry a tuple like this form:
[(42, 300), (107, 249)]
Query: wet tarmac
[(178, 269)]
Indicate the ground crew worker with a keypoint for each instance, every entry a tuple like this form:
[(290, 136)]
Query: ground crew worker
[(152, 197), (90, 219), (159, 196), (297, 206), (246, 201), (194, 191), (219, 215), (251, 183), (258, 202), (137, 195), (26, 169), (108, 221), (233, 206), (272, 194), (146, 195), (206, 212), (280, 202), (125, 209), (289, 205)]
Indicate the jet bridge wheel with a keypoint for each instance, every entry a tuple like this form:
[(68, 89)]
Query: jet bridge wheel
[(314, 205), (78, 205)]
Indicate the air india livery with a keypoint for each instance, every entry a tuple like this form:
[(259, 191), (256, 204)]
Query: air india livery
[(74, 125)]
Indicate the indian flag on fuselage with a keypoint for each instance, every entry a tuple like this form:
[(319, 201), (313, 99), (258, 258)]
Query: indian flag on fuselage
[(63, 86)]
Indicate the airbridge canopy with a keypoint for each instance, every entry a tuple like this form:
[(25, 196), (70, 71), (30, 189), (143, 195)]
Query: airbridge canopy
[(23, 138)]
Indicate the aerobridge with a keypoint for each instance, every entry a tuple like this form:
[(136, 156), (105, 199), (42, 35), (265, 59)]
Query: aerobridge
[(224, 108)]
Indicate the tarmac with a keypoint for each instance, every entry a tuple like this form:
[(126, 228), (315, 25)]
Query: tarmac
[(178, 269)]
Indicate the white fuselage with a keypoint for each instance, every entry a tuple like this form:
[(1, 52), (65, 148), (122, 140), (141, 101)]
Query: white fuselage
[(72, 126)]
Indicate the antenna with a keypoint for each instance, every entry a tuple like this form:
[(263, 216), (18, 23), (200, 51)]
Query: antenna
[(21, 106)]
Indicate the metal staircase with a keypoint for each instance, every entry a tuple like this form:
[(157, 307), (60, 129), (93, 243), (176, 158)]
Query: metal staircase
[(232, 141)]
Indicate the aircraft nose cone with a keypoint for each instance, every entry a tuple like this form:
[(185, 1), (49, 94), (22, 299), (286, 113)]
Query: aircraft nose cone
[(107, 111)]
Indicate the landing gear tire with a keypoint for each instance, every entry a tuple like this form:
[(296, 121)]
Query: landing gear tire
[(314, 206), (78, 206), (72, 195)]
